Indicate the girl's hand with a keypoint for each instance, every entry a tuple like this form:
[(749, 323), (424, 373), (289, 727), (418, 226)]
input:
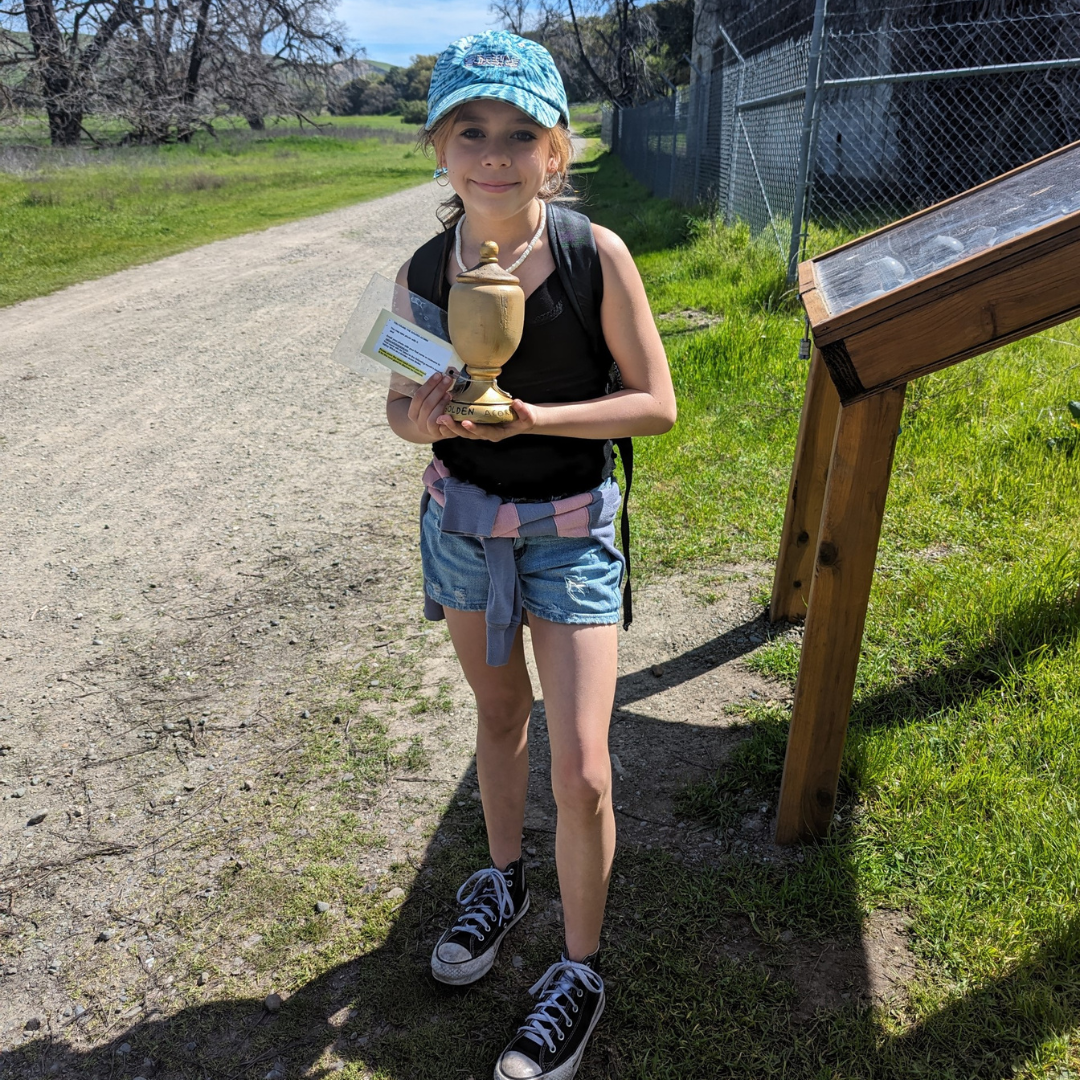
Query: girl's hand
[(427, 405), (466, 429)]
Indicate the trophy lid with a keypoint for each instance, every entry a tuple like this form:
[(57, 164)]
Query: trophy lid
[(487, 271)]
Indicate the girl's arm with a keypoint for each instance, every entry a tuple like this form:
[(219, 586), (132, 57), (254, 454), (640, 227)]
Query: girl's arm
[(645, 405), (413, 418)]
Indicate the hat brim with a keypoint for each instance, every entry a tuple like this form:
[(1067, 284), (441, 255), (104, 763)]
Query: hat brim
[(544, 114)]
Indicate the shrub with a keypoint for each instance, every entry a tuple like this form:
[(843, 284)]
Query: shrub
[(413, 112)]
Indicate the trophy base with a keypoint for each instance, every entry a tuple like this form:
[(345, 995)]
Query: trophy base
[(482, 402)]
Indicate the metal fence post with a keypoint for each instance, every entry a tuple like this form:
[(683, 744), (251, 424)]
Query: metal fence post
[(798, 208), (698, 109)]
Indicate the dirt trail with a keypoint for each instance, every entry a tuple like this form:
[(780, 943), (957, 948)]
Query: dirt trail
[(200, 515)]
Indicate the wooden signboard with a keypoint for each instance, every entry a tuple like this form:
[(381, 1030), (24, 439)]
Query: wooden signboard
[(995, 264)]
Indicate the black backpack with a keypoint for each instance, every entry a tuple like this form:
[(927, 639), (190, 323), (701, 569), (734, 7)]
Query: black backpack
[(577, 261)]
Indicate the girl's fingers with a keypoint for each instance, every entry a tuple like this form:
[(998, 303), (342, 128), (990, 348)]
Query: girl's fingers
[(428, 403)]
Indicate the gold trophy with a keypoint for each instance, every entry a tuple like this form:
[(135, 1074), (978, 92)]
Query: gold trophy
[(486, 317)]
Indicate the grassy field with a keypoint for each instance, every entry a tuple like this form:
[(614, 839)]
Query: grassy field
[(959, 800), (68, 216)]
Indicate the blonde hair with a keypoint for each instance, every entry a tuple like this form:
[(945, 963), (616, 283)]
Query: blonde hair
[(557, 185)]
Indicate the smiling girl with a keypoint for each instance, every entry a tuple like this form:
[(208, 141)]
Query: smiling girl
[(498, 124)]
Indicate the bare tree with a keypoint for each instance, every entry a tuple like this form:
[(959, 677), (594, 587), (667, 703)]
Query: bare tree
[(609, 47), (515, 15), (61, 49), (165, 67)]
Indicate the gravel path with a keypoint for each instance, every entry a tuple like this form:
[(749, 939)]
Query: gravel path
[(172, 436)]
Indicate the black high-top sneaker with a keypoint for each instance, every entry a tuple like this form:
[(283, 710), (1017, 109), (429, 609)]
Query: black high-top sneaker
[(492, 901), (551, 1042)]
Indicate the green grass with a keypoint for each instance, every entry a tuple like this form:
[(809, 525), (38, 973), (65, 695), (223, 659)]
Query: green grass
[(961, 785), (62, 223)]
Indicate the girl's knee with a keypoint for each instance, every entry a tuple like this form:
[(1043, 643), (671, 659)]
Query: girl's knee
[(582, 788), (503, 714)]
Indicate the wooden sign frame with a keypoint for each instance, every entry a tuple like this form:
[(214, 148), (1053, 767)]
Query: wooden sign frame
[(862, 361)]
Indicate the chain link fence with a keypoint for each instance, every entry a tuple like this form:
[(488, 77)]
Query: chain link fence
[(854, 116)]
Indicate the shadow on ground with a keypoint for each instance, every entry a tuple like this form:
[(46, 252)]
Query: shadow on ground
[(703, 979)]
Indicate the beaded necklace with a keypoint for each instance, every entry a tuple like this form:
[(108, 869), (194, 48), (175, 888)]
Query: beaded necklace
[(524, 255)]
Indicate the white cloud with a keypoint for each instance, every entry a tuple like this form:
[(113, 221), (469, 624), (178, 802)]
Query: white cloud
[(394, 30)]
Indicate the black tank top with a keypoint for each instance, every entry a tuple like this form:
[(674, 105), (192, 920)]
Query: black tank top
[(554, 363)]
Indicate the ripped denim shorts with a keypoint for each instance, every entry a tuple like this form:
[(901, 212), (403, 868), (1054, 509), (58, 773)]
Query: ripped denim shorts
[(564, 579)]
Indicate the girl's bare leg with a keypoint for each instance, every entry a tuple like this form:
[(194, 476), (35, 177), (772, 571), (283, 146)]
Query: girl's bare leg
[(577, 668), (503, 703)]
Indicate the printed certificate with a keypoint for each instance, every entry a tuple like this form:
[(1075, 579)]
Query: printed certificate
[(408, 349)]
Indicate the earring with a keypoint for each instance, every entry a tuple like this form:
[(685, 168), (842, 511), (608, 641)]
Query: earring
[(439, 173)]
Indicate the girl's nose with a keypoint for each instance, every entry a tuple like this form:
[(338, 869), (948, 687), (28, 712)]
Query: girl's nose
[(496, 153)]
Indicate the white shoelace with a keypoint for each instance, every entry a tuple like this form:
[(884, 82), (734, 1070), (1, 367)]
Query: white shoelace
[(521, 258), (550, 1013), (495, 902)]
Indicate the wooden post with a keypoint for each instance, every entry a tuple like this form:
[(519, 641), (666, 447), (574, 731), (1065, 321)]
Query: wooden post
[(806, 494), (843, 571)]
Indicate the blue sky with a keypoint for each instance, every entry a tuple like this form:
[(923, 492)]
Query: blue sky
[(394, 30)]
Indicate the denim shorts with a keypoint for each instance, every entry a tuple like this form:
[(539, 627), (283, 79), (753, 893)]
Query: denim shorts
[(564, 579)]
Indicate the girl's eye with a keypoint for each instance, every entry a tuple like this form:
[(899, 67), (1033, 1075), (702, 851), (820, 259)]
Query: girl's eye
[(525, 136), (472, 133)]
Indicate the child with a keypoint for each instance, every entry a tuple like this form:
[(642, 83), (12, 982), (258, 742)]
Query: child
[(497, 122)]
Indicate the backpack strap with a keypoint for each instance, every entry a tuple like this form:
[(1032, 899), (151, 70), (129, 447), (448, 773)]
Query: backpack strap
[(427, 269), (577, 261)]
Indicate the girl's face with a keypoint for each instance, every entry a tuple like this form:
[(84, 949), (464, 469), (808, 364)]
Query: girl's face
[(496, 157)]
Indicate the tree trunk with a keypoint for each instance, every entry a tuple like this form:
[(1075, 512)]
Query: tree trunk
[(255, 122), (195, 60), (63, 97), (198, 53)]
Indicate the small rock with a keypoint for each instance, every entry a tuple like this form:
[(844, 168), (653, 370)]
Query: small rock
[(272, 1004), (168, 726), (37, 819), (189, 787), (108, 933), (97, 641), (787, 936), (617, 765), (475, 796), (247, 785), (348, 776), (304, 714), (204, 978), (18, 793), (530, 851), (77, 812), (124, 1049), (80, 1010), (395, 893), (657, 670), (33, 1024), (277, 1072), (517, 962), (322, 907), (34, 781)]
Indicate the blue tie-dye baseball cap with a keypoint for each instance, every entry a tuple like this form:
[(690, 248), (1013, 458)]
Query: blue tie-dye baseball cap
[(502, 66)]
